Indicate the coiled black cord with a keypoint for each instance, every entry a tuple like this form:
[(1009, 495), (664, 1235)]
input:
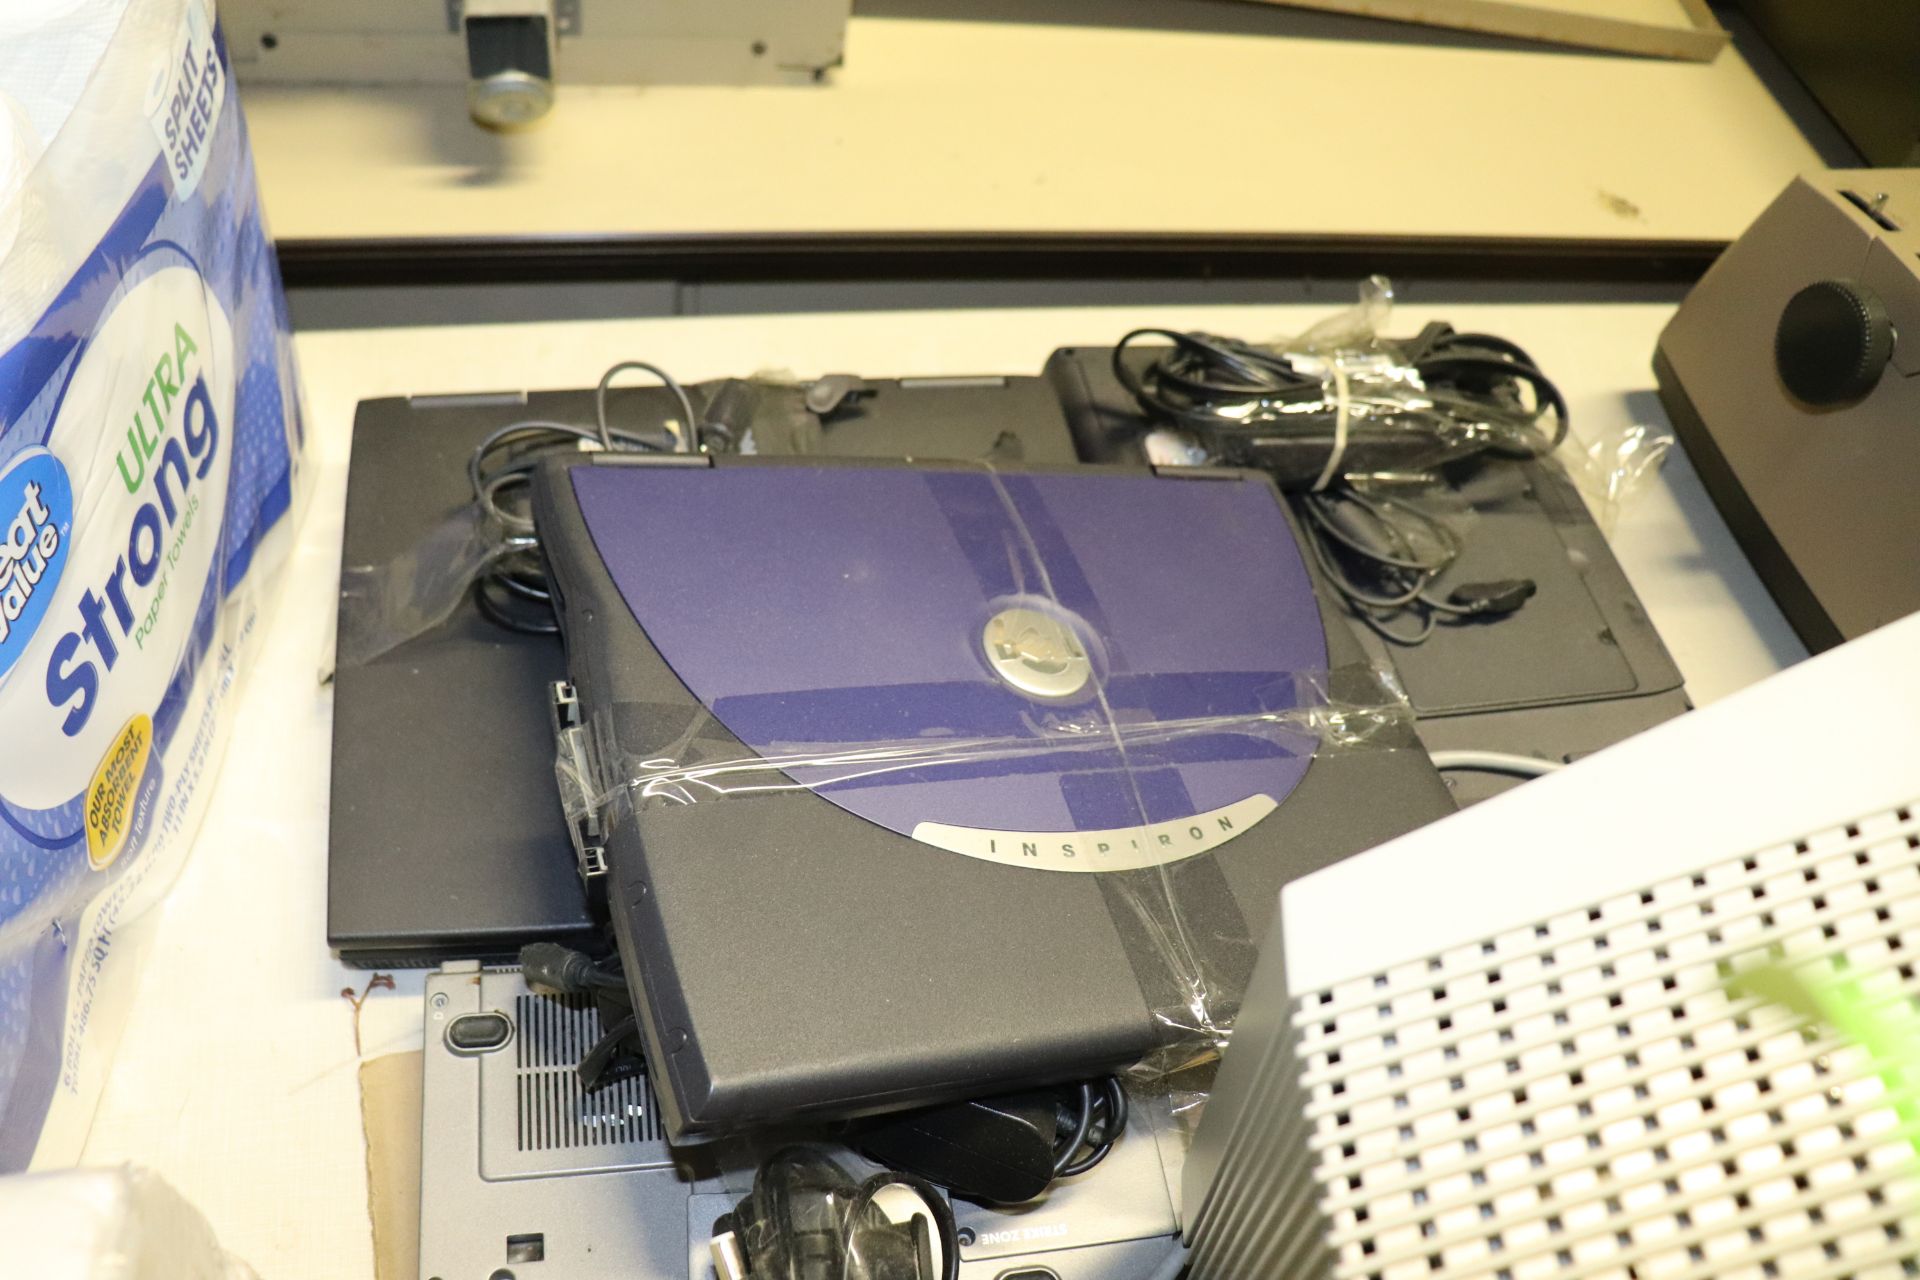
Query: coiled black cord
[(1099, 1121), (1220, 387), (1380, 553), (1203, 375), (1367, 546), (512, 591)]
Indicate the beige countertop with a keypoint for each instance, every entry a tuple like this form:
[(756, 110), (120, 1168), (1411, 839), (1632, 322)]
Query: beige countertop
[(991, 127)]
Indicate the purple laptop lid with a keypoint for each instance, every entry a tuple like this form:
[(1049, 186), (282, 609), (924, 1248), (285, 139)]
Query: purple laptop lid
[(1005, 664)]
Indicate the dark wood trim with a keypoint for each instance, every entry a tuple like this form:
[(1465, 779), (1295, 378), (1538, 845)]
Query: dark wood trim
[(937, 256)]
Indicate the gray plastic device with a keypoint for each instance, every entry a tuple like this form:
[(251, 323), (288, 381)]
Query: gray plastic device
[(1792, 374)]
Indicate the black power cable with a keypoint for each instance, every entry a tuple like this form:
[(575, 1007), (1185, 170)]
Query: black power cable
[(1204, 374), (512, 591), (1241, 399), (1097, 1124), (1368, 547), (1252, 406), (560, 968)]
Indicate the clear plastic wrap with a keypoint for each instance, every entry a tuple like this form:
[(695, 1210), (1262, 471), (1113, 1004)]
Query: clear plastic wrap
[(605, 777), (1610, 467), (684, 771), (382, 606), (124, 1223)]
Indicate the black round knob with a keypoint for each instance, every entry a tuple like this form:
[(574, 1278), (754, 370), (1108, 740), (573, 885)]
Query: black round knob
[(1834, 339)]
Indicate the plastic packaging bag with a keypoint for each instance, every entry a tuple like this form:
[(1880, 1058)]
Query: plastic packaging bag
[(1340, 400), (1608, 467), (149, 440), (108, 1224)]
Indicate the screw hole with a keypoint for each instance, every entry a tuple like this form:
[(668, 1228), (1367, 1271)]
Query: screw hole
[(759, 48), (271, 41)]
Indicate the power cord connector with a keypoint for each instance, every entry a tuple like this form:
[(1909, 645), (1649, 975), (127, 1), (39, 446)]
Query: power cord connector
[(1492, 599), (562, 969)]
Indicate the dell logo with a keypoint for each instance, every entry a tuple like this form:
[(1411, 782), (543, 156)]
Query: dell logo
[(1036, 653)]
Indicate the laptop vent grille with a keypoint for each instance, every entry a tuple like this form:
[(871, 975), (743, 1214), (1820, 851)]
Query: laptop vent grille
[(553, 1112), (1581, 1097)]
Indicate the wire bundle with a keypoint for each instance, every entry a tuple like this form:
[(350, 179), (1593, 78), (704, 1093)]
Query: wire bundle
[(512, 591), (1094, 1125), (1451, 395), (1384, 555), (1466, 392)]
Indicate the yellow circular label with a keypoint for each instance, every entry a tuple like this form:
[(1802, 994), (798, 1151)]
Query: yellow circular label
[(110, 796)]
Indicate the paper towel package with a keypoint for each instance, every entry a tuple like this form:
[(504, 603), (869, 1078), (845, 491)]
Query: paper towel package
[(150, 434)]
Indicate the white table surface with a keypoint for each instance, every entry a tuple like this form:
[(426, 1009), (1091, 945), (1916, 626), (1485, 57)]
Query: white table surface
[(236, 1077)]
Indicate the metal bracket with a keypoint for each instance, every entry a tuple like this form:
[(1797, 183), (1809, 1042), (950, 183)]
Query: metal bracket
[(576, 756), (566, 16)]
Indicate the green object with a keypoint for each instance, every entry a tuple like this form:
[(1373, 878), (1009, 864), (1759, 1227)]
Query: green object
[(1891, 1041)]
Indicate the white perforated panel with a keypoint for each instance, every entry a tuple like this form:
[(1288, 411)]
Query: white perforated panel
[(1579, 1097)]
